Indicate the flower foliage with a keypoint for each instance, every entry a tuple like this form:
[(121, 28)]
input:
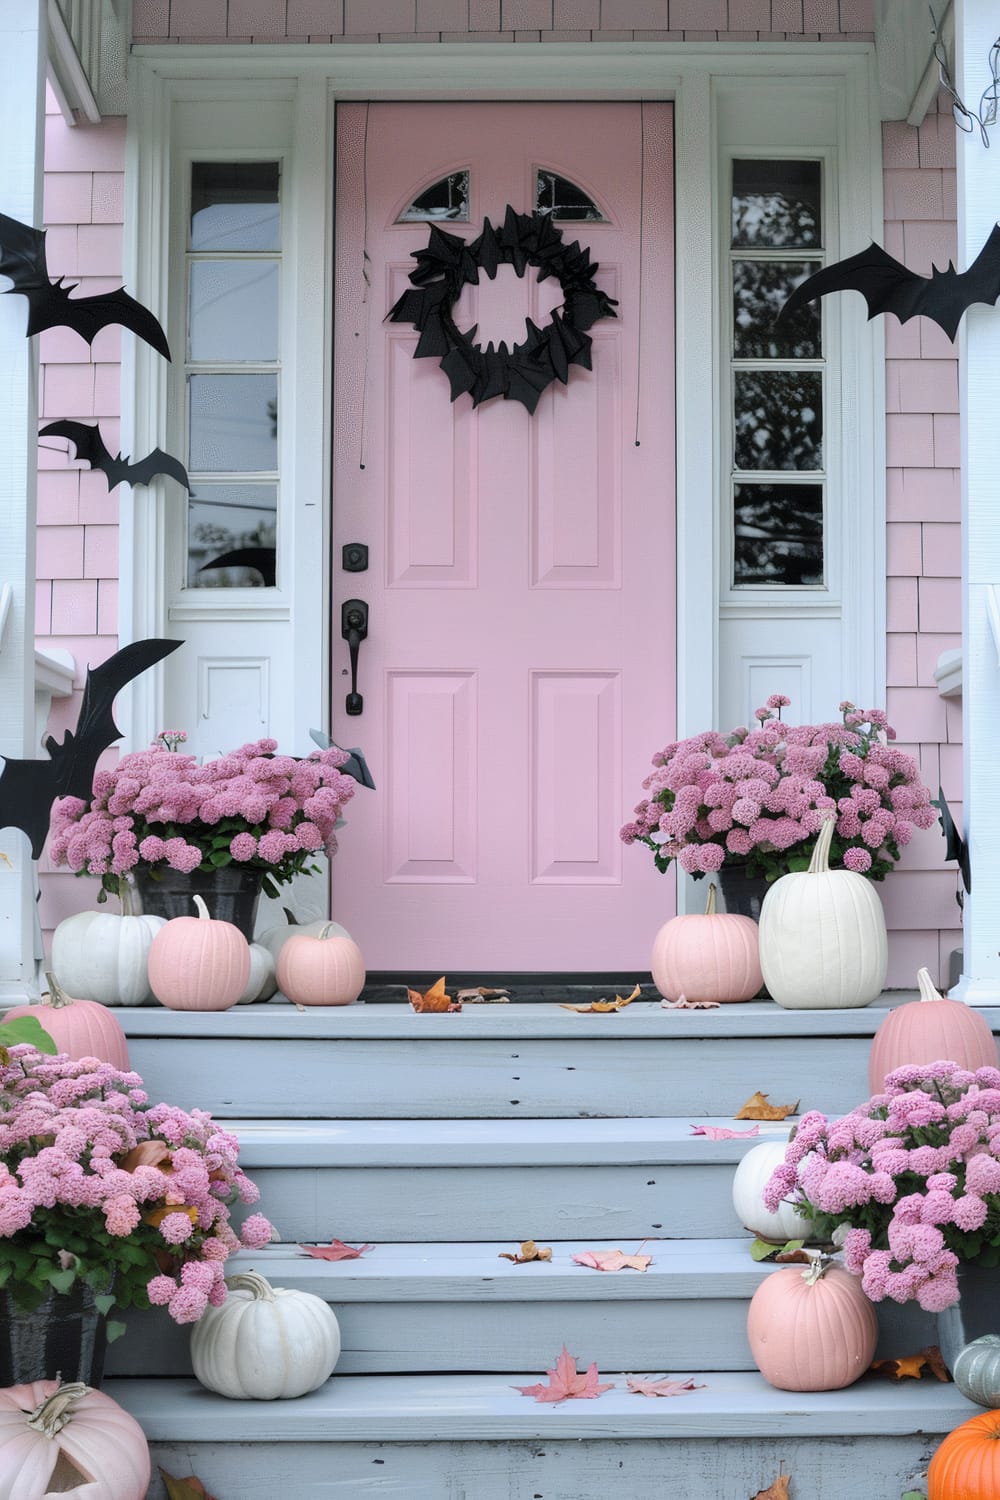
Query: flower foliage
[(910, 1181), (761, 795), (251, 807), (97, 1183)]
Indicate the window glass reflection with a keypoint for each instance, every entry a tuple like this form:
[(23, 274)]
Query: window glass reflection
[(776, 204), (778, 534), (232, 536), (234, 423), (760, 290), (234, 205), (562, 199), (447, 199), (779, 423), (234, 310)]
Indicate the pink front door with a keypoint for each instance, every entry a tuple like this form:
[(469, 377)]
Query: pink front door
[(518, 670)]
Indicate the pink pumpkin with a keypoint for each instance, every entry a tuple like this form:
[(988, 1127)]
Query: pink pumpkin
[(69, 1440), (931, 1029), (196, 963), (709, 957), (323, 970), (811, 1328), (80, 1028)]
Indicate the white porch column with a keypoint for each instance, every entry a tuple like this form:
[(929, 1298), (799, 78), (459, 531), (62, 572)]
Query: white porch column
[(22, 120), (977, 24)]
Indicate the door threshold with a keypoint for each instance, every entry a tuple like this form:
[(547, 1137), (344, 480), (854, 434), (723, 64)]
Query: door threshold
[(389, 987)]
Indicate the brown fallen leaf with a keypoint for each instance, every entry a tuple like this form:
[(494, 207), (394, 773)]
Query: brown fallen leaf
[(433, 999), (650, 1385), (336, 1250), (483, 995), (723, 1133), (792, 1257), (757, 1108), (565, 1384), (603, 1006), (184, 1489), (612, 1260), (529, 1251), (683, 1003), (912, 1366), (776, 1491)]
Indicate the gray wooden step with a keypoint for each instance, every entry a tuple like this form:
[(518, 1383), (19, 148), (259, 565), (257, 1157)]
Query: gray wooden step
[(467, 1437), (418, 1180), (501, 1061), (411, 1308)]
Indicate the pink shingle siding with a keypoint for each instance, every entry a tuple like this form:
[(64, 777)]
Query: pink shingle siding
[(77, 584)]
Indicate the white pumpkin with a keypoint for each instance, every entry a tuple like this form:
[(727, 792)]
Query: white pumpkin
[(784, 1223), (275, 937), (265, 1343), (823, 941), (101, 956), (263, 982)]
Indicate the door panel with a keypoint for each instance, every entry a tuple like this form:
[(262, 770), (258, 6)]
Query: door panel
[(519, 665)]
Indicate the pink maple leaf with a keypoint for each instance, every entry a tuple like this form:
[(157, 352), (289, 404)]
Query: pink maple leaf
[(647, 1386), (336, 1250), (611, 1260), (723, 1133), (565, 1383)]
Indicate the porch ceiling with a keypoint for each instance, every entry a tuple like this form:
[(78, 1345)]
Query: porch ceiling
[(904, 44)]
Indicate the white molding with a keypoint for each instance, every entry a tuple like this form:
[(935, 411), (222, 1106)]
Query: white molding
[(948, 673), (72, 86)]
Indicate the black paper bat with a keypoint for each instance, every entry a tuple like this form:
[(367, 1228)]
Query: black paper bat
[(90, 448), (955, 846), (22, 258), (28, 788), (263, 559), (888, 286), (355, 765)]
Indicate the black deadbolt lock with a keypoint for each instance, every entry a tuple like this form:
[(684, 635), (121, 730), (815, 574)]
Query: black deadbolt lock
[(355, 557)]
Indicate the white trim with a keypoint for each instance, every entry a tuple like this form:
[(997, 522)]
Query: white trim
[(690, 74), (69, 76)]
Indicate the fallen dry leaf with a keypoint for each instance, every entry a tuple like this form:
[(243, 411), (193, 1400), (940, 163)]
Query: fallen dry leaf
[(565, 1383), (618, 1003), (912, 1366), (723, 1133), (529, 1251), (776, 1491), (757, 1108), (793, 1257), (650, 1385), (335, 1250), (433, 999), (184, 1489), (483, 995), (683, 1003), (612, 1260)]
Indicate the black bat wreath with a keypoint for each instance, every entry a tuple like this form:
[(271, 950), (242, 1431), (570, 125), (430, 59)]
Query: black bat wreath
[(522, 372), (22, 258), (889, 286)]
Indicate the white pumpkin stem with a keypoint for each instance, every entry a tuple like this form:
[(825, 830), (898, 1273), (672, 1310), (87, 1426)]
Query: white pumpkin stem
[(57, 995), (258, 1286), (204, 915), (928, 991), (820, 862), (818, 1266), (328, 930), (710, 903), (51, 1416)]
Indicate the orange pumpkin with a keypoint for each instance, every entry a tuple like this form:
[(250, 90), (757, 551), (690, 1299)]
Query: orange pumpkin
[(324, 970), (967, 1464), (931, 1029), (80, 1028), (811, 1329), (197, 963), (708, 957)]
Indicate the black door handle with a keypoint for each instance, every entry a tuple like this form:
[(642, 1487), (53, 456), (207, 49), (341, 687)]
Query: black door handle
[(354, 629)]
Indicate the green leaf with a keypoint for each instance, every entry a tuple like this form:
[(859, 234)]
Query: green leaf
[(798, 862), (27, 1029), (220, 858), (113, 1330), (104, 1302), (910, 1494), (60, 1281), (763, 1250)]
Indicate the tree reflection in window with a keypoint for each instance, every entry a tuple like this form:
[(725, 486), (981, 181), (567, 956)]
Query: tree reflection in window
[(227, 519), (776, 204), (446, 199), (778, 534), (562, 199), (760, 290), (779, 423)]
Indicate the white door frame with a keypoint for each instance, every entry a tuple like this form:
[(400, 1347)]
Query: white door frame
[(162, 78)]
